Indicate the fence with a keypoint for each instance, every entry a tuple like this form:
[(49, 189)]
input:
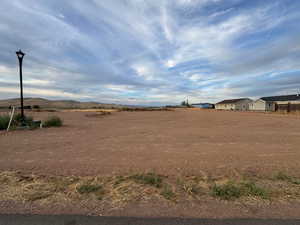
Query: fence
[(287, 107)]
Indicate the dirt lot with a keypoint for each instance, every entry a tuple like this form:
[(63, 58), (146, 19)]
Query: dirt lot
[(172, 143), (183, 141)]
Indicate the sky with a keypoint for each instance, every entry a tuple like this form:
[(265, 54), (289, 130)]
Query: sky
[(150, 52)]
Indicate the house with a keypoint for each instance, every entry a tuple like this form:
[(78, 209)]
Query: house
[(204, 105), (262, 105), (283, 99), (273, 102), (241, 104)]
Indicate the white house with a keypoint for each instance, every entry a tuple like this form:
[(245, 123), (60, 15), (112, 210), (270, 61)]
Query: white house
[(262, 105), (241, 104), (271, 103)]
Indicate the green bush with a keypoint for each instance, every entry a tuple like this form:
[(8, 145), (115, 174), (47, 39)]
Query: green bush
[(88, 188), (17, 119), (284, 177), (36, 107), (149, 179), (53, 121), (232, 190), (4, 120), (226, 191), (167, 192)]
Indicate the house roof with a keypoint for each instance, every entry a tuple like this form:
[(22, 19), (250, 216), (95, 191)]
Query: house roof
[(282, 98), (231, 101), (206, 103)]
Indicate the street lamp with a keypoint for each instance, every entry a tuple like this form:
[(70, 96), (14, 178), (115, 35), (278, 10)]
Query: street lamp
[(20, 56)]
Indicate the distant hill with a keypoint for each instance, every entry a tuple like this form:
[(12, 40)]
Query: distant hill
[(60, 104)]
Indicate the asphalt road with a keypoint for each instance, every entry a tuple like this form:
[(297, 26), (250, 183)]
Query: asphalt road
[(86, 220)]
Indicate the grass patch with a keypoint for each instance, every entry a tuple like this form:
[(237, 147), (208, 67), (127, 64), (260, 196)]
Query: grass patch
[(119, 180), (284, 177), (16, 121), (88, 188), (4, 120), (149, 179), (37, 191), (191, 189), (232, 190), (53, 121), (168, 193)]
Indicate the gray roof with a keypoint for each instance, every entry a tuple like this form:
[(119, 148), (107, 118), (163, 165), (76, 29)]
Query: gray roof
[(231, 101), (281, 98)]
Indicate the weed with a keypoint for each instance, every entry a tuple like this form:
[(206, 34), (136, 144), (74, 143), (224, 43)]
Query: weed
[(4, 120), (88, 188), (191, 189), (231, 190), (251, 189), (167, 193), (37, 191), (284, 177), (149, 179), (119, 180), (16, 121), (226, 191), (53, 121)]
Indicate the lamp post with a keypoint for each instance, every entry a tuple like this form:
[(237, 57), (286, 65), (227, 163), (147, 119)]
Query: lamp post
[(20, 56)]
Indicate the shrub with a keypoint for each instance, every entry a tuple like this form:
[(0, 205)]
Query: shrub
[(167, 192), (251, 189), (53, 121), (232, 190), (284, 177), (4, 120), (36, 107), (148, 178), (88, 188), (17, 120), (227, 191)]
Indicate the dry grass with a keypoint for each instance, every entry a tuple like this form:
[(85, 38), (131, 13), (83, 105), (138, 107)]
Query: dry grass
[(117, 191)]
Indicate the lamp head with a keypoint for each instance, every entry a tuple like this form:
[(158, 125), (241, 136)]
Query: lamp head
[(20, 54)]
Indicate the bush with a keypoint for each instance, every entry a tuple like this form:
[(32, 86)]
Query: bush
[(284, 177), (36, 107), (4, 120), (17, 120), (149, 179), (53, 121), (227, 191), (88, 188), (232, 190), (167, 193)]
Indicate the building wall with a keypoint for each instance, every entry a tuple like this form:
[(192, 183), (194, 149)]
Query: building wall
[(258, 105), (242, 105), (261, 105), (225, 106), (270, 106)]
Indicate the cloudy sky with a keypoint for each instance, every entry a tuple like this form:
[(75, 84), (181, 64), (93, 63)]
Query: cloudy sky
[(150, 52)]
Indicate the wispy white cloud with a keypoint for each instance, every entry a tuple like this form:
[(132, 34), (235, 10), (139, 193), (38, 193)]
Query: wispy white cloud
[(147, 52)]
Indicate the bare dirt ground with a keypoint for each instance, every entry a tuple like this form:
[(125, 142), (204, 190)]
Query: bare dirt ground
[(183, 141), (172, 143)]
